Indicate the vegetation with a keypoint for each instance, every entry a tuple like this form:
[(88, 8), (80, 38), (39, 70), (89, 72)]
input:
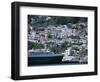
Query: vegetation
[(57, 49), (49, 36), (32, 45), (83, 52), (44, 21)]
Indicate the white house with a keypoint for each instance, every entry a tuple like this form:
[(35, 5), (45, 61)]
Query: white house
[(67, 56)]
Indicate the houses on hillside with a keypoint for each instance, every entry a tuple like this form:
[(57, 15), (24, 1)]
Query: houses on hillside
[(76, 35)]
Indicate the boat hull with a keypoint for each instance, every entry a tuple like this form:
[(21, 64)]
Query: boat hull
[(44, 60)]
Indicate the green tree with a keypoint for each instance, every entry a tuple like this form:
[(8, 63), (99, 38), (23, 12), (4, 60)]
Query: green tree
[(32, 45)]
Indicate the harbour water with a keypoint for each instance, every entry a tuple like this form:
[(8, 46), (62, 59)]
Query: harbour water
[(49, 58), (53, 64)]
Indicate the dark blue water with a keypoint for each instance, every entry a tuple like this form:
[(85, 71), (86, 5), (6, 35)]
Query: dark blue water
[(38, 59), (52, 63)]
